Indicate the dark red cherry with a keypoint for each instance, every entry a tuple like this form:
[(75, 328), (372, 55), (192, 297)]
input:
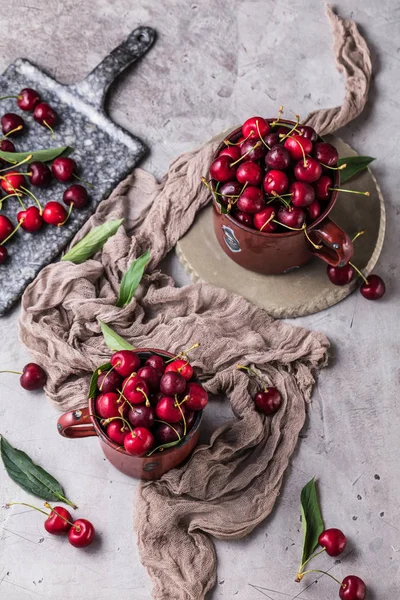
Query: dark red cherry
[(11, 122), (6, 228), (326, 154), (374, 289), (172, 383), (33, 377), (141, 415), (251, 201), (276, 181), (31, 219), (77, 195), (321, 187), (271, 139), (109, 382), (297, 146), (293, 217), (227, 190), (3, 254), (39, 174), (7, 146), (340, 275), (243, 218), (313, 211), (45, 115), (151, 377), (307, 132), (352, 588), (252, 149), (277, 158), (157, 362), (27, 99), (309, 171), (165, 433), (255, 127), (249, 172), (196, 397), (63, 168), (303, 194), (263, 220), (268, 401), (333, 540)]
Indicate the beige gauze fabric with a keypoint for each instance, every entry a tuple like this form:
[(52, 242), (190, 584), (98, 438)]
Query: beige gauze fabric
[(230, 485)]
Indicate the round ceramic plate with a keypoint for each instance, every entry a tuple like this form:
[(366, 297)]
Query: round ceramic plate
[(308, 289)]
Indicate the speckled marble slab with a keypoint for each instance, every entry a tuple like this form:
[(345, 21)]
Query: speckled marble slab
[(104, 152)]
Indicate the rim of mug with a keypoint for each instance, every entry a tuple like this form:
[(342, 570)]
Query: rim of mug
[(234, 136), (101, 433)]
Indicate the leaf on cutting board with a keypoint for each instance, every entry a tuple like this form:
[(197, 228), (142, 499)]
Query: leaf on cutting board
[(113, 340), (92, 242), (131, 279), (32, 478), (355, 164), (311, 519), (46, 155), (94, 378)]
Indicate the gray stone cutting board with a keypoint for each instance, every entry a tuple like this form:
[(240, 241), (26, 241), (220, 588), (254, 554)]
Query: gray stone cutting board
[(104, 152)]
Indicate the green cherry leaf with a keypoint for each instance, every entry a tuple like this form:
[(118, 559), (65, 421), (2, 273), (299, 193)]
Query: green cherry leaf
[(311, 519), (355, 164), (46, 155), (92, 242), (113, 340), (131, 279)]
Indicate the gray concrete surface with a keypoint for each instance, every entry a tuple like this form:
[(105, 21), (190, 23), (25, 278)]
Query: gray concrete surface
[(214, 64)]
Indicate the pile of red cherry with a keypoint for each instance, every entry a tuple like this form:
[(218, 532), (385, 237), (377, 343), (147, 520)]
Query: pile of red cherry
[(148, 405), (13, 182)]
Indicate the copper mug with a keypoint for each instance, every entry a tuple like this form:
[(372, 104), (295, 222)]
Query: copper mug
[(273, 253), (83, 422)]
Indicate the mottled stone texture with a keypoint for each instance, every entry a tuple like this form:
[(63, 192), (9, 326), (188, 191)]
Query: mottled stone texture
[(214, 64)]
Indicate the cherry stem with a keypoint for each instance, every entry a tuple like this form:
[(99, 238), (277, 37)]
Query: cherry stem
[(242, 367), (147, 403), (310, 558), (13, 372), (260, 136), (229, 143), (15, 192), (359, 272), (83, 180), (29, 193), (349, 191), (12, 130), (256, 145), (9, 237), (335, 169), (184, 353), (47, 505), (316, 246), (107, 373), (324, 573), (268, 220), (71, 206), (183, 419), (297, 142), (204, 180), (280, 111), (45, 123), (358, 235), (293, 129), (5, 97), (25, 504), (285, 202), (105, 422), (287, 226)]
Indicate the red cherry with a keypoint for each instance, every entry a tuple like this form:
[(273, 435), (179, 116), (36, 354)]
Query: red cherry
[(167, 409), (374, 289), (77, 195), (139, 441), (196, 397), (308, 132), (227, 190), (157, 362), (125, 362), (333, 541), (116, 431), (11, 121), (27, 99), (340, 275), (39, 174), (33, 377), (295, 143), (352, 588), (326, 154), (263, 220), (135, 389), (254, 127), (141, 416), (249, 172), (293, 217), (165, 433), (63, 168), (313, 211), (310, 171), (12, 181), (54, 213), (276, 181), (7, 146), (109, 382), (3, 254), (268, 401), (45, 115), (232, 151), (303, 194), (31, 219), (321, 187), (277, 158), (6, 227), (81, 533), (181, 366), (221, 169), (108, 405), (55, 523), (150, 376), (172, 383), (252, 150), (251, 201), (244, 218)]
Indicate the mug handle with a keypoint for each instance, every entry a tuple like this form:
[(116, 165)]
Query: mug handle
[(337, 247), (76, 424)]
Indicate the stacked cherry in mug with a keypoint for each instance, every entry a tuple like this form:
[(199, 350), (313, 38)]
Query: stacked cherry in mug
[(276, 176), (150, 404)]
